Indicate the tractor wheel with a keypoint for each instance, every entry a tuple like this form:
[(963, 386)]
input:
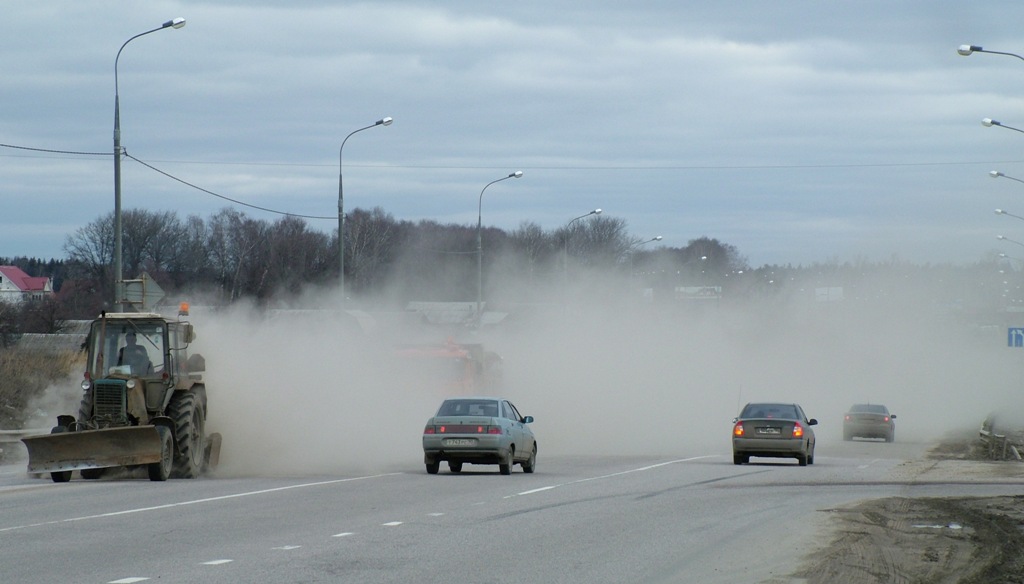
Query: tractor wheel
[(160, 471), (61, 476), (188, 431)]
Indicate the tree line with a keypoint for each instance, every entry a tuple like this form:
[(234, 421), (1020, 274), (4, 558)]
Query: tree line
[(231, 256)]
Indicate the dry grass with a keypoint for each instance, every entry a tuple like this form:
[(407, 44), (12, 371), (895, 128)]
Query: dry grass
[(23, 377)]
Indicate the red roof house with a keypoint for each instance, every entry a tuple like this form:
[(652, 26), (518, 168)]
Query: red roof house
[(17, 286)]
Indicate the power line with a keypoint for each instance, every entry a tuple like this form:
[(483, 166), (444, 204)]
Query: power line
[(209, 192)]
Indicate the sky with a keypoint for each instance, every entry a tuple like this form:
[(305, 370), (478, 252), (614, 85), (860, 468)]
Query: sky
[(796, 131)]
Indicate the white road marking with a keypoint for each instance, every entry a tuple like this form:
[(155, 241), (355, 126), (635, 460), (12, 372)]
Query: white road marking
[(128, 580), (286, 547), (608, 476), (343, 534), (217, 562), (864, 466), (435, 514), (391, 523), (196, 501)]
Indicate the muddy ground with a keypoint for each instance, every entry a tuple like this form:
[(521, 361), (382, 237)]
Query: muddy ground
[(963, 540)]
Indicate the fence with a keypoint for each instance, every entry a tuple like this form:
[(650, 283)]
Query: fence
[(1000, 446)]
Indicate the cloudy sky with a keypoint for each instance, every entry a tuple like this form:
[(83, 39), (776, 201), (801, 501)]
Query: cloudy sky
[(797, 131)]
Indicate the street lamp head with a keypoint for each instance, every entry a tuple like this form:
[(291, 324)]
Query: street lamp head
[(995, 174), (1000, 237), (595, 212), (966, 50), (516, 174), (657, 238), (989, 122), (176, 23), (1000, 212), (384, 122)]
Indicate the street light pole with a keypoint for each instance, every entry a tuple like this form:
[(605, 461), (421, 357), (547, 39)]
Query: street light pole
[(997, 174), (565, 243), (1002, 212), (966, 50), (480, 245), (118, 293), (633, 249), (989, 122), (341, 205), (1002, 238)]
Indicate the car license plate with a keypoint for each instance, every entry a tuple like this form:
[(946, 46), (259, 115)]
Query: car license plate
[(459, 442), (769, 430)]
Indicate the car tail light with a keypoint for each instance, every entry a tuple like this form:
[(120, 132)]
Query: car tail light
[(737, 430), (846, 417), (798, 430), (886, 418), (463, 429)]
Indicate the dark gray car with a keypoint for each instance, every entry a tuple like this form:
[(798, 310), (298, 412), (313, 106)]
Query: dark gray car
[(869, 421), (774, 430)]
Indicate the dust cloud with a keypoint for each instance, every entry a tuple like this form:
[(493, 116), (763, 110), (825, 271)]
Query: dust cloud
[(604, 371)]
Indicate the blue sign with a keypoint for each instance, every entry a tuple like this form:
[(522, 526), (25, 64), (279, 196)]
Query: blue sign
[(1015, 337)]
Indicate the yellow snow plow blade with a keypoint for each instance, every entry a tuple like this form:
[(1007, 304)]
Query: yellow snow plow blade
[(66, 451)]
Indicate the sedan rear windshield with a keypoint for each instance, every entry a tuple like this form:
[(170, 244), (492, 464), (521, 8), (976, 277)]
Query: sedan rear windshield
[(869, 409), (468, 407), (786, 412)]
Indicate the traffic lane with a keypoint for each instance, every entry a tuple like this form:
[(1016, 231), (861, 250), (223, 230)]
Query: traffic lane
[(651, 521), (239, 523)]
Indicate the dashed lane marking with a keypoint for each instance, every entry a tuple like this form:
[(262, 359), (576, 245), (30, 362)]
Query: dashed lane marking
[(196, 501), (614, 474)]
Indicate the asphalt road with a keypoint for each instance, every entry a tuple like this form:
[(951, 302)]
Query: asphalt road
[(695, 517)]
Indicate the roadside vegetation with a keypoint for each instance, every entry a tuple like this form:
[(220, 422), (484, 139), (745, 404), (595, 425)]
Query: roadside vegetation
[(25, 375)]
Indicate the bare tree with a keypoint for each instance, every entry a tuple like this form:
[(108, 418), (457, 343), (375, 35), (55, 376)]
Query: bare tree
[(371, 241), (601, 241), (295, 255), (90, 252)]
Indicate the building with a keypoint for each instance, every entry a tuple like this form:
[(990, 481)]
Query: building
[(16, 286)]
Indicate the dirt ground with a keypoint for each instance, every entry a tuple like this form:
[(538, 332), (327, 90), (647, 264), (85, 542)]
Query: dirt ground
[(964, 540)]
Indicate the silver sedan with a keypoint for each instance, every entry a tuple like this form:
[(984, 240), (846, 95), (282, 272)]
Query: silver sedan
[(479, 430)]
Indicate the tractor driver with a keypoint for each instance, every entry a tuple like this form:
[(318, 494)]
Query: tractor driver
[(134, 355)]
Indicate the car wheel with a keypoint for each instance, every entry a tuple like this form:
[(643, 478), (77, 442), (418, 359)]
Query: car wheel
[(802, 459), (505, 467), (847, 436), (740, 459), (455, 466), (810, 456), (890, 436), (433, 467), (531, 463)]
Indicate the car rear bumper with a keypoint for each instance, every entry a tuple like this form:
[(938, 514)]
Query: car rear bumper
[(867, 430), (769, 446), (484, 450)]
